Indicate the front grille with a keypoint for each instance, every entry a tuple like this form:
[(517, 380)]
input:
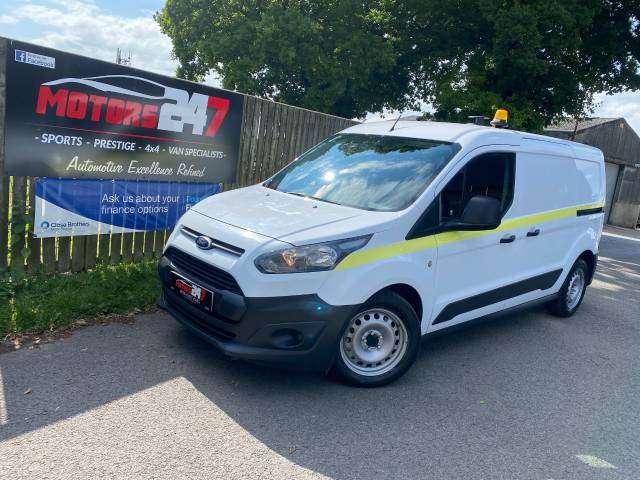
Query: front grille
[(219, 244), (198, 269), (177, 304)]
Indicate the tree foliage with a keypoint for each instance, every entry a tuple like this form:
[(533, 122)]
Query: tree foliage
[(331, 56), (541, 59)]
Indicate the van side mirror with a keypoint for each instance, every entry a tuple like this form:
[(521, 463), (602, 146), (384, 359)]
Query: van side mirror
[(480, 213)]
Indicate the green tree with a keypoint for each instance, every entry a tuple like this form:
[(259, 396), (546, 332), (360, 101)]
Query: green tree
[(332, 56), (540, 59)]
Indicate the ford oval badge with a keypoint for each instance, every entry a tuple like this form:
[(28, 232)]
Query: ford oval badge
[(205, 243)]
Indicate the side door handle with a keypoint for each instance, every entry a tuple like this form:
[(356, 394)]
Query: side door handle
[(533, 233), (507, 239)]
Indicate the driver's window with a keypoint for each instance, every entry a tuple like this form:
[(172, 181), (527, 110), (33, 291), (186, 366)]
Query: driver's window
[(490, 174)]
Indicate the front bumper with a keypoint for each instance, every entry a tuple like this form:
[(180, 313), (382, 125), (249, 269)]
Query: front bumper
[(298, 331)]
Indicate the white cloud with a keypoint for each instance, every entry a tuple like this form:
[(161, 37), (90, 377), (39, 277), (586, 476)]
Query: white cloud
[(82, 27), (7, 20), (625, 104)]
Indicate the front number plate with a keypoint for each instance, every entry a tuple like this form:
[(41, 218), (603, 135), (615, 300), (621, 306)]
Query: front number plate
[(192, 292)]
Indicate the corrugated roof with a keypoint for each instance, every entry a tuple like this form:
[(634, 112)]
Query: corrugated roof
[(614, 136), (570, 125)]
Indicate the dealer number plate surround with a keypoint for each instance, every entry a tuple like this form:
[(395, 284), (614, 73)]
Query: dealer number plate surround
[(191, 291)]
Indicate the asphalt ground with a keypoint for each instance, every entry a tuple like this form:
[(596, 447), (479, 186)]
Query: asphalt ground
[(525, 396)]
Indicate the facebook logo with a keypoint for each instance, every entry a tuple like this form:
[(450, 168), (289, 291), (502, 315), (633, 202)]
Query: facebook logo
[(21, 56), (35, 59)]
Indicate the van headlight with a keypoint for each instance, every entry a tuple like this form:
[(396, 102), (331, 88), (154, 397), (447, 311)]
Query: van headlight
[(309, 258)]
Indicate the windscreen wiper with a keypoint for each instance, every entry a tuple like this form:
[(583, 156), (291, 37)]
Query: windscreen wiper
[(304, 195)]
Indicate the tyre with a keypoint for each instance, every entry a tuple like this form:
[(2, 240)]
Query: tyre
[(379, 343), (572, 291)]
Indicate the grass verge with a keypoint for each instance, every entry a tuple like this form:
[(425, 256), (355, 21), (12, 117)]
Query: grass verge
[(38, 303)]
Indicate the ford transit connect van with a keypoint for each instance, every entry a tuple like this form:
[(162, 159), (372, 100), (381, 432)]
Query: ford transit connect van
[(342, 260)]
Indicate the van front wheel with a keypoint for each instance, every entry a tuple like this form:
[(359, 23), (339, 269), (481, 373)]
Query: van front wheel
[(379, 343), (572, 291)]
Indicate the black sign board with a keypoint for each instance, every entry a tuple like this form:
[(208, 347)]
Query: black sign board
[(75, 117)]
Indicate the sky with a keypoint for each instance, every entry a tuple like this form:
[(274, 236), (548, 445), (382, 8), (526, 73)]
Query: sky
[(97, 28)]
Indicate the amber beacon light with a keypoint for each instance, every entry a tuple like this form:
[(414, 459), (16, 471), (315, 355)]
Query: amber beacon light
[(500, 119)]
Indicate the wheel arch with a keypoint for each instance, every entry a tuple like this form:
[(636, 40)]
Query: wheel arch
[(409, 293), (590, 258)]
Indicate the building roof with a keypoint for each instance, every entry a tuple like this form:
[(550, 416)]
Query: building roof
[(614, 136), (570, 125)]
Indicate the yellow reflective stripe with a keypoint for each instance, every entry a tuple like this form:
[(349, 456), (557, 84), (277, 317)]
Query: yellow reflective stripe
[(538, 218), (455, 237), (375, 254), (591, 205)]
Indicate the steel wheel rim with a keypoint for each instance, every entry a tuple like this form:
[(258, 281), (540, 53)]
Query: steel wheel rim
[(374, 342), (574, 290)]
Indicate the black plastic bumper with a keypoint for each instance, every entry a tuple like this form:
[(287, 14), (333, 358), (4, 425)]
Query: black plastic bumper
[(299, 331)]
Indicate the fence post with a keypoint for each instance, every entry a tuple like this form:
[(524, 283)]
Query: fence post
[(4, 179), (34, 243)]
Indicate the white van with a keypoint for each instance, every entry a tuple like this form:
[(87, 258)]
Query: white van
[(378, 235)]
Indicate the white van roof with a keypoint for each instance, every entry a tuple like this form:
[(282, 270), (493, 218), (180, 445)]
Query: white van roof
[(442, 131), (465, 134)]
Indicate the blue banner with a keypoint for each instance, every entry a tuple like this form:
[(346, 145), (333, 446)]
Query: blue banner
[(67, 207)]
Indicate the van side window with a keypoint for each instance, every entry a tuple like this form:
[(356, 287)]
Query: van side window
[(490, 174)]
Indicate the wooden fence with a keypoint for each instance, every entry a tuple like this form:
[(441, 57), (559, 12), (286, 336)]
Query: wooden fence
[(273, 134)]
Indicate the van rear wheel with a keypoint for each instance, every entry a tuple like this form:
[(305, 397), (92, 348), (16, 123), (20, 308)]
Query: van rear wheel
[(379, 343), (572, 291)]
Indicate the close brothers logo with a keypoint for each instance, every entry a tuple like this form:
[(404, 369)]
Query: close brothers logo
[(157, 107), (45, 225)]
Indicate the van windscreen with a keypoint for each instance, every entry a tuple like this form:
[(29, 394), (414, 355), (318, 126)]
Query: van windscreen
[(372, 172)]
